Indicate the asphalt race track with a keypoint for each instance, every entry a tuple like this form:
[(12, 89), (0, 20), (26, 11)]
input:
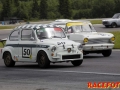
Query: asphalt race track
[(101, 28), (62, 76)]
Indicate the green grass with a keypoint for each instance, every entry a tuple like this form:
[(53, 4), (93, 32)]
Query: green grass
[(117, 39), (6, 27), (96, 21), (1, 45)]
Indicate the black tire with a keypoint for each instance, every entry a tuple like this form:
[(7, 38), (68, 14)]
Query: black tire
[(106, 53), (43, 60), (77, 62), (8, 61), (113, 25)]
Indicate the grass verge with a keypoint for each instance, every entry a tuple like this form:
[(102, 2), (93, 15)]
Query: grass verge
[(96, 21), (117, 39), (2, 44), (6, 27)]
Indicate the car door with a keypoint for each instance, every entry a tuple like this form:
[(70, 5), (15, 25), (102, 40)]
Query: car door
[(27, 45), (13, 43)]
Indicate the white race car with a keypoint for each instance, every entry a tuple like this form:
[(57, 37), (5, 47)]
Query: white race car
[(42, 44), (112, 22), (92, 41)]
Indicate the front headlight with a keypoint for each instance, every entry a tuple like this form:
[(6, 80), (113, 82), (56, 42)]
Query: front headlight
[(53, 48), (80, 47), (112, 39), (85, 40)]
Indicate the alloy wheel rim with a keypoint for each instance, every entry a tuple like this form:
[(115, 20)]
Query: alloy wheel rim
[(42, 60), (7, 60)]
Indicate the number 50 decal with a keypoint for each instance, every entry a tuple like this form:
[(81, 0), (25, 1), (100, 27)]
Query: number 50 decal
[(26, 52)]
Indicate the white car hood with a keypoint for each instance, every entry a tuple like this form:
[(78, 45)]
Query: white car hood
[(92, 35), (59, 42)]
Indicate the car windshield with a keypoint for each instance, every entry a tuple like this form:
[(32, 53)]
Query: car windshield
[(116, 15), (81, 28), (45, 33), (62, 26)]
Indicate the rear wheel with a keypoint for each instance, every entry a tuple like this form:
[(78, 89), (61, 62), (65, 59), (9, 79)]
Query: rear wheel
[(8, 60), (43, 60), (106, 53), (77, 62)]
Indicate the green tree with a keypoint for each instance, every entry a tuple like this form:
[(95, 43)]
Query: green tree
[(35, 9), (117, 6), (16, 2), (7, 8), (81, 4), (53, 9), (67, 13), (65, 8), (61, 7), (43, 9), (23, 11), (0, 9), (103, 8)]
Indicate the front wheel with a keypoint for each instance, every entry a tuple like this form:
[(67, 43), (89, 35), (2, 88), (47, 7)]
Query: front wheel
[(113, 25), (77, 62), (43, 60), (106, 53), (8, 60)]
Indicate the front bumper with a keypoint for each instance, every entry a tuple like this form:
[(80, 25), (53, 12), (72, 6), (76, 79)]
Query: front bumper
[(106, 23), (67, 56), (96, 47)]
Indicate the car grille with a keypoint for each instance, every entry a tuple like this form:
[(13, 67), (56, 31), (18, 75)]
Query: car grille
[(71, 56), (98, 41)]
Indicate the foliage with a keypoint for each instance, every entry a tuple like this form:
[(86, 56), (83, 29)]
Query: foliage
[(64, 8), (55, 9), (52, 11), (103, 8), (35, 9), (43, 9)]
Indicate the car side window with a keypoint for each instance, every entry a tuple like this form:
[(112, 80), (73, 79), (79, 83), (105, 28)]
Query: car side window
[(70, 30), (27, 34), (14, 36)]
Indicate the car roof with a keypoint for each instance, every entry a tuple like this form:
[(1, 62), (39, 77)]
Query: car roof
[(61, 23), (34, 26), (62, 20)]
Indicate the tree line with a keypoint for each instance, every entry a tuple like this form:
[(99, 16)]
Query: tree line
[(55, 9)]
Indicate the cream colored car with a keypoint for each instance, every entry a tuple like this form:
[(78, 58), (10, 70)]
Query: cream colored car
[(92, 41)]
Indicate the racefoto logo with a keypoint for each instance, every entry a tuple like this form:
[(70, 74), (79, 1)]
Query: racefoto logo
[(103, 85)]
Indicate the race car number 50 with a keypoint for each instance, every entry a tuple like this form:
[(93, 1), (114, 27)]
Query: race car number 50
[(26, 52)]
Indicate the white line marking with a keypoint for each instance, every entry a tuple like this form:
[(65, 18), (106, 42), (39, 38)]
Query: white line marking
[(78, 72)]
